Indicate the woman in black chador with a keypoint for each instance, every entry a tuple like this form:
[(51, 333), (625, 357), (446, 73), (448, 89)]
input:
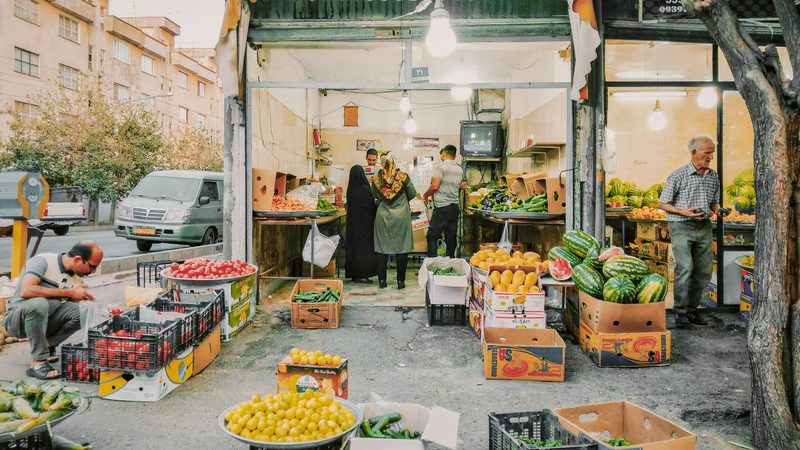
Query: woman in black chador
[(360, 262)]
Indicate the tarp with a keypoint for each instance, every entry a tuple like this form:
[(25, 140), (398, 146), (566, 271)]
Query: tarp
[(231, 47), (585, 40)]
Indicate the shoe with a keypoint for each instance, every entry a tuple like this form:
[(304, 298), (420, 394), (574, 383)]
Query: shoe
[(401, 285), (695, 318), (382, 284), (683, 322)]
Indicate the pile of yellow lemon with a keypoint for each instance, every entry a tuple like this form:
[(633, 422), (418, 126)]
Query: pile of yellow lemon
[(313, 358), (485, 259), (289, 417), (514, 282)]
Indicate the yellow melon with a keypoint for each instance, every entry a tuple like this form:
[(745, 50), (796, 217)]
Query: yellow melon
[(495, 277), (530, 279), (519, 277), (506, 277)]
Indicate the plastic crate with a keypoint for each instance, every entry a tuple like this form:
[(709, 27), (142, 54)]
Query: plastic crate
[(75, 365), (38, 441), (149, 273), (149, 346), (504, 429), (207, 314), (445, 314)]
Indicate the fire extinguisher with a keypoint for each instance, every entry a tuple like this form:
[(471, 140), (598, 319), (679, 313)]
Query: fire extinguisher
[(317, 139)]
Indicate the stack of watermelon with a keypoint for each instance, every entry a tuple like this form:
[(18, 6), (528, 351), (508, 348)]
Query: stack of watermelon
[(605, 273)]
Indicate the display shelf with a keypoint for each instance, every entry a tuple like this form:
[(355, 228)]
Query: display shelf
[(539, 148)]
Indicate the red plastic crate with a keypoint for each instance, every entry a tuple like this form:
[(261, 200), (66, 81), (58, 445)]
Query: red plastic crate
[(143, 347), (208, 314)]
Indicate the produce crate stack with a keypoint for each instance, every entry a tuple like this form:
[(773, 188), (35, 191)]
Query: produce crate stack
[(655, 249), (316, 303), (747, 294), (446, 282)]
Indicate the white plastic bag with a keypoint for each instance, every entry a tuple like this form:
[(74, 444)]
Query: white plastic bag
[(324, 247), (505, 242), (307, 195)]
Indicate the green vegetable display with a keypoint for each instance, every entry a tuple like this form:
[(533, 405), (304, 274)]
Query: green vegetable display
[(538, 443), (381, 427), (324, 205), (742, 192), (450, 272), (328, 295), (618, 442)]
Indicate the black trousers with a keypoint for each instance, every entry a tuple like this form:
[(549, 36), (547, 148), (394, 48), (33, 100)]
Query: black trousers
[(444, 219), (402, 264)]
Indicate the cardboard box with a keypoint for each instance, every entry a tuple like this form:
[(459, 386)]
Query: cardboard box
[(236, 320), (532, 302), (420, 241), (664, 252), (328, 271), (509, 178), (637, 349), (237, 293), (665, 270), (515, 246), (524, 185), (651, 264), (607, 317), (445, 289), (602, 421), (556, 194), (139, 387), (646, 230), (436, 425), (512, 319), (647, 249), (748, 284), (208, 350), (475, 316), (662, 231), (745, 308), (514, 354), (316, 315), (267, 184), (572, 317), (331, 380), (710, 299), (419, 220), (478, 288)]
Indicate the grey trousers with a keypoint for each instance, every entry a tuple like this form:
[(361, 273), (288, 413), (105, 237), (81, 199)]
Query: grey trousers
[(691, 245), (45, 322)]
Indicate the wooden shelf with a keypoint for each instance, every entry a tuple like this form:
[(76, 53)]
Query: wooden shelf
[(539, 148)]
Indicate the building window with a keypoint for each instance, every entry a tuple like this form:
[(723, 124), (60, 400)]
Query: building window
[(27, 10), (120, 92), (26, 110), (122, 52), (183, 114), (91, 58), (68, 29), (183, 80), (200, 121), (147, 64), (201, 89), (26, 62), (148, 102), (68, 77)]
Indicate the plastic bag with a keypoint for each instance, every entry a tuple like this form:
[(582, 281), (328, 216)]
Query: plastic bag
[(307, 195), (91, 315), (505, 242), (324, 247)]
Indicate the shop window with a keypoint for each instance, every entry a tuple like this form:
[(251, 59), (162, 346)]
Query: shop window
[(27, 10), (148, 65), (122, 52), (26, 62), (68, 77), (68, 28), (737, 153), (783, 54), (657, 61)]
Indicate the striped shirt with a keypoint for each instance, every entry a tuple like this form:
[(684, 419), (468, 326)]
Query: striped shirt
[(451, 175), (685, 189)]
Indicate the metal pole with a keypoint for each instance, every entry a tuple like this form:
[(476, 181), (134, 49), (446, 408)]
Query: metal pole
[(19, 246)]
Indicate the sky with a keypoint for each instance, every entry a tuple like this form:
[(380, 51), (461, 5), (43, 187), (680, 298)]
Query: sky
[(199, 19)]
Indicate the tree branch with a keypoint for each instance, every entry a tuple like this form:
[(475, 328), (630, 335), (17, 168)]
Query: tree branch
[(790, 27)]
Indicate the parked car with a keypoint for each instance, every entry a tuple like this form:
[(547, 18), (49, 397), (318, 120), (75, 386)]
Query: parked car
[(64, 209), (172, 206)]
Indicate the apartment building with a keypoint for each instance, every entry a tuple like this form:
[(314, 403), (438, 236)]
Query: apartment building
[(59, 44)]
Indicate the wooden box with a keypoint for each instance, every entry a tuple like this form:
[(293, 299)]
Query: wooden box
[(316, 315)]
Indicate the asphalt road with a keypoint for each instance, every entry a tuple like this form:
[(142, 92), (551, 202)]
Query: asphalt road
[(113, 246)]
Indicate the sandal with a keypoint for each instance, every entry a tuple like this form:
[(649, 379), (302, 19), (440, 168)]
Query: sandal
[(42, 372)]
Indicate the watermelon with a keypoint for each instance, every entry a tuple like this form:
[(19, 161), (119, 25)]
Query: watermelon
[(560, 269), (588, 280), (579, 242), (593, 259), (652, 288), (562, 252), (625, 266), (609, 253), (619, 290)]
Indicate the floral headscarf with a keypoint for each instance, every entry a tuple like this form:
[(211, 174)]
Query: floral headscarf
[(390, 179)]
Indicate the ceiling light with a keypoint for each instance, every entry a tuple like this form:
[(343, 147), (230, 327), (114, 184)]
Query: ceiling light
[(460, 93), (441, 41), (405, 102), (649, 94), (411, 124), (657, 120), (707, 98)]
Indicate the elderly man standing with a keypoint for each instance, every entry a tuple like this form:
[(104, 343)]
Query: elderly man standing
[(690, 195), (44, 308)]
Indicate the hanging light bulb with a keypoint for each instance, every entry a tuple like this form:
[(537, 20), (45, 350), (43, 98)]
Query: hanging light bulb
[(707, 98), (405, 102), (411, 124), (441, 41), (657, 120), (460, 93)]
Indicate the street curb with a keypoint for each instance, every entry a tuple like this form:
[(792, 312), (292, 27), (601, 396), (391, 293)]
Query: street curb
[(128, 263)]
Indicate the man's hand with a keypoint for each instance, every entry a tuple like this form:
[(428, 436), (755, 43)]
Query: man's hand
[(79, 293), (690, 213)]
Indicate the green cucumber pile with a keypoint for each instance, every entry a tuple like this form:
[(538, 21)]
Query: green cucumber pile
[(385, 427), (450, 272), (618, 441), (328, 295)]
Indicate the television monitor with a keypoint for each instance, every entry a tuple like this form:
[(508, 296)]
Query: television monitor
[(482, 139)]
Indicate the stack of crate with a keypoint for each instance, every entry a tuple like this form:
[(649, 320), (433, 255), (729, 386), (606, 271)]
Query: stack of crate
[(655, 248)]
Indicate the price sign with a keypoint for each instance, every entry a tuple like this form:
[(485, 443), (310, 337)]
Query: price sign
[(663, 10)]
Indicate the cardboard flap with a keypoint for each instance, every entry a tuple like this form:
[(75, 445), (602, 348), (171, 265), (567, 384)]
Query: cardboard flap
[(450, 281), (442, 427)]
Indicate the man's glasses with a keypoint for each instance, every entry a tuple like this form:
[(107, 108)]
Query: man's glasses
[(91, 266)]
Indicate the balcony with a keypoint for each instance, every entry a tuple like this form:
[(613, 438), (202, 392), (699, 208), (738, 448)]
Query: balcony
[(83, 9), (189, 64), (156, 47), (124, 30)]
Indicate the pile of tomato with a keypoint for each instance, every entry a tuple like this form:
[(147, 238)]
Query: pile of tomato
[(77, 366), (203, 269), (112, 352)]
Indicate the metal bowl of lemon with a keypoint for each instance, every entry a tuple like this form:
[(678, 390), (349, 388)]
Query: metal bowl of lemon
[(268, 435)]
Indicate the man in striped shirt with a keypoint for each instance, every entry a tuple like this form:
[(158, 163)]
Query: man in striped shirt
[(690, 195)]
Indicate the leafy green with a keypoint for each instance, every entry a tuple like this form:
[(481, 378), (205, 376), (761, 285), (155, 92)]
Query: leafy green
[(448, 272), (538, 443), (618, 441)]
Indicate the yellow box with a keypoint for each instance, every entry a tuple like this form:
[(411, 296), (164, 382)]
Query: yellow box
[(647, 230), (207, 351), (139, 387), (331, 380), (517, 354)]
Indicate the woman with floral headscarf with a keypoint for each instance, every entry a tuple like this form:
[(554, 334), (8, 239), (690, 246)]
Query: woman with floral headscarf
[(393, 189)]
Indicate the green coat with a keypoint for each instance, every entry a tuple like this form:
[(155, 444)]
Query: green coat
[(393, 221)]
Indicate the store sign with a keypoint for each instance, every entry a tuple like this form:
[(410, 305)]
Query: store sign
[(665, 10), (419, 74)]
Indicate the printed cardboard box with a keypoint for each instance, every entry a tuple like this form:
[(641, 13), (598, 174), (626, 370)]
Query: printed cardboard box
[(236, 320), (476, 318), (524, 186), (607, 317), (748, 285), (647, 249), (709, 299), (532, 302), (514, 354), (237, 293), (646, 230), (603, 421), (140, 387), (478, 288), (664, 252), (515, 246), (662, 230), (436, 425), (445, 289), (665, 270), (207, 351), (331, 380), (420, 241), (745, 308), (513, 319), (556, 194), (636, 349)]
